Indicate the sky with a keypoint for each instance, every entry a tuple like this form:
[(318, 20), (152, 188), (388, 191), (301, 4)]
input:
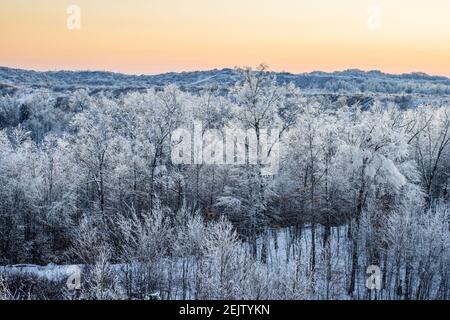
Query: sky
[(156, 36)]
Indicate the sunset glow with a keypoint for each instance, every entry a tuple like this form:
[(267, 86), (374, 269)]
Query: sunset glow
[(155, 36)]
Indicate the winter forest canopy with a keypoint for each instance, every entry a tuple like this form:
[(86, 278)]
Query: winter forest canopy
[(87, 179)]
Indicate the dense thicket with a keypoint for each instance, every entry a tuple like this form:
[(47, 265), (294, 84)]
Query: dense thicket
[(91, 181)]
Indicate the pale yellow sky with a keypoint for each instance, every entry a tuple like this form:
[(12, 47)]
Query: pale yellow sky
[(154, 36)]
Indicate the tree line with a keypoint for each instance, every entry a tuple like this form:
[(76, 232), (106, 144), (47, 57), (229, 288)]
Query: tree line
[(92, 182)]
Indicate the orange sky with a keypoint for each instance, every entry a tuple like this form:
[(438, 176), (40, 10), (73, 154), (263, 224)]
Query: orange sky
[(154, 36)]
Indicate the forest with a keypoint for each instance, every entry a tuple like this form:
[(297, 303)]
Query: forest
[(89, 180)]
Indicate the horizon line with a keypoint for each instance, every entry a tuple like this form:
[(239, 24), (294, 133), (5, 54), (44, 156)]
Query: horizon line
[(42, 70)]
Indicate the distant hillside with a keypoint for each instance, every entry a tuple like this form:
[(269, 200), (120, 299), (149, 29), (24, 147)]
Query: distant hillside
[(349, 81)]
